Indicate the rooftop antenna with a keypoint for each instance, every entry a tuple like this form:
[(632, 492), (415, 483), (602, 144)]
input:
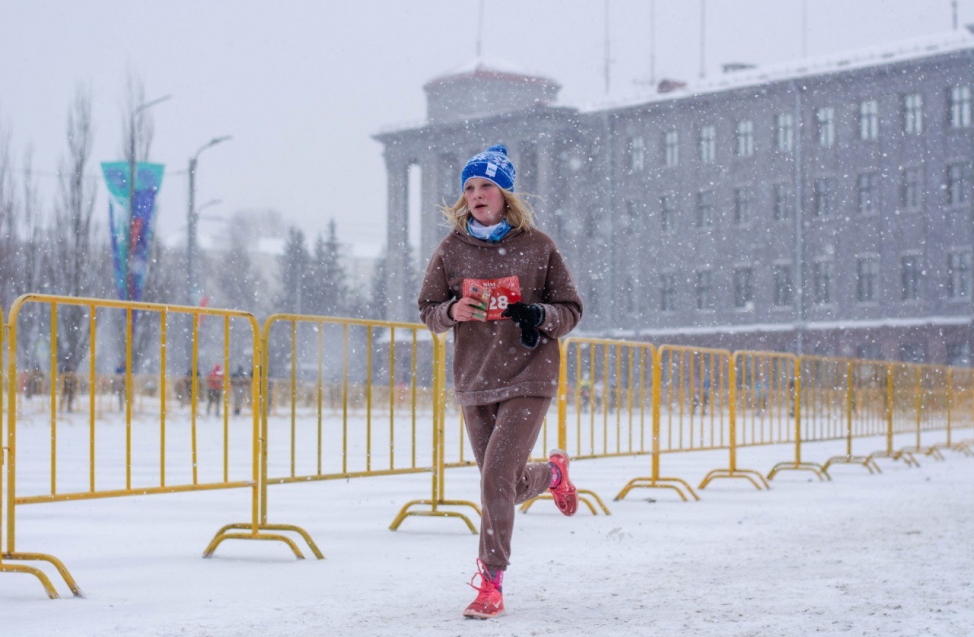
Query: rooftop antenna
[(954, 5), (606, 47), (804, 28), (703, 31), (480, 29), (652, 42)]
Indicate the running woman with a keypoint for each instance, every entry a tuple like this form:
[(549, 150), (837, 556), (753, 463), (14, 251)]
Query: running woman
[(503, 288)]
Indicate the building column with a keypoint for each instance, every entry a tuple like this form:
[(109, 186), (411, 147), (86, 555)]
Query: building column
[(397, 239)]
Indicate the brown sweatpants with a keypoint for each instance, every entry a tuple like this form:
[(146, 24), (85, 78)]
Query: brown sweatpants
[(502, 436)]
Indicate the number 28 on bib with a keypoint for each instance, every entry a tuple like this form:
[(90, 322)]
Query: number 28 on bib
[(503, 292)]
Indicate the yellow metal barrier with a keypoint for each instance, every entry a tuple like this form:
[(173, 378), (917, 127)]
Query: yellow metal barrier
[(931, 402), (830, 401), (884, 380), (345, 399), (794, 396), (437, 500), (762, 408), (691, 392), (161, 455), (961, 409), (6, 458), (604, 404)]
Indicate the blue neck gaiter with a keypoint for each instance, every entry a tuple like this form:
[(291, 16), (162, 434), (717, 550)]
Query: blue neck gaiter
[(491, 234)]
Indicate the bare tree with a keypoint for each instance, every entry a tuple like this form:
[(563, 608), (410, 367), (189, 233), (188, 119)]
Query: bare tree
[(237, 280), (8, 224), (69, 260), (136, 120)]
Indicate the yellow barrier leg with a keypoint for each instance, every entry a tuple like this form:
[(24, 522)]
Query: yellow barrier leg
[(755, 478), (964, 447), (36, 572), (225, 534), (903, 454), (45, 581), (435, 512), (255, 534), (866, 461), (677, 484), (815, 468)]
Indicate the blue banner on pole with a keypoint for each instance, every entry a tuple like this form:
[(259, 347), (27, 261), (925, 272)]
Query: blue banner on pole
[(131, 226)]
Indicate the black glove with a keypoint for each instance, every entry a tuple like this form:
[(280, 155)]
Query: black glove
[(527, 317)]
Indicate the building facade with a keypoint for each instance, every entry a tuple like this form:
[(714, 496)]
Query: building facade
[(822, 207)]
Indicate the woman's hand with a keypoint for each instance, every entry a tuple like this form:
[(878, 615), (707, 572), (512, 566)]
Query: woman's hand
[(468, 309)]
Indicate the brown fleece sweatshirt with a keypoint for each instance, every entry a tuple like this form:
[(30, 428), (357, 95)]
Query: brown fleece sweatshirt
[(490, 364)]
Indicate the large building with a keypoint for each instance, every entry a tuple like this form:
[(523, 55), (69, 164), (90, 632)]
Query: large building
[(822, 206)]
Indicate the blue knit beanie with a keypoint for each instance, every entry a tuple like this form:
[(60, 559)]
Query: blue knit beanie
[(493, 165)]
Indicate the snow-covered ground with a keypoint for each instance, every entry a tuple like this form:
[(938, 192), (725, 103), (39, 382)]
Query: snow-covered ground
[(887, 554)]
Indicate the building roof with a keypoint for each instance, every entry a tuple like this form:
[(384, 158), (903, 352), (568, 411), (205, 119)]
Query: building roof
[(880, 55), (481, 67)]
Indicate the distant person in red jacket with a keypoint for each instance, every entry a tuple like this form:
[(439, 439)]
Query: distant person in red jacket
[(214, 389), (504, 289)]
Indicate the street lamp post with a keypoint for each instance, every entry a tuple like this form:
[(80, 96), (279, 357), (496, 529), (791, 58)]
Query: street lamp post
[(192, 220)]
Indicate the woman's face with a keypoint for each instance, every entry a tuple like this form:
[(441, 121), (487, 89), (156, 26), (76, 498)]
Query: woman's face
[(485, 201)]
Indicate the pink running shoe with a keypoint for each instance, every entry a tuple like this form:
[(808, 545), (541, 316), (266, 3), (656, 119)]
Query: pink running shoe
[(565, 493), (490, 601)]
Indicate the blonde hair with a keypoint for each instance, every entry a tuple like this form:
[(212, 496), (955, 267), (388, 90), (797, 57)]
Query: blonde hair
[(518, 212)]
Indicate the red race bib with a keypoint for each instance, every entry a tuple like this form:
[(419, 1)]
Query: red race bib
[(503, 292)]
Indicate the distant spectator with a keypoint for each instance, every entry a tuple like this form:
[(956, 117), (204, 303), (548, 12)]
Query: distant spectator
[(69, 388), (118, 385), (214, 389), (239, 383)]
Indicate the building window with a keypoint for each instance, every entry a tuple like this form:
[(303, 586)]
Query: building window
[(959, 354), (671, 148), (667, 292), (705, 208), (960, 106), (959, 274), (913, 114), (742, 205), (867, 276), (825, 119), (637, 154), (869, 120), (784, 125), (869, 352), (822, 281), (783, 291), (705, 299), (823, 196), (958, 184), (744, 288), (868, 184), (667, 213), (910, 277), (913, 353), (745, 138), (708, 144), (910, 189), (783, 195), (633, 219)]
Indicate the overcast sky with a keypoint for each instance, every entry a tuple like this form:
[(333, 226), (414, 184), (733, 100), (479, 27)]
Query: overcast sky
[(302, 86)]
